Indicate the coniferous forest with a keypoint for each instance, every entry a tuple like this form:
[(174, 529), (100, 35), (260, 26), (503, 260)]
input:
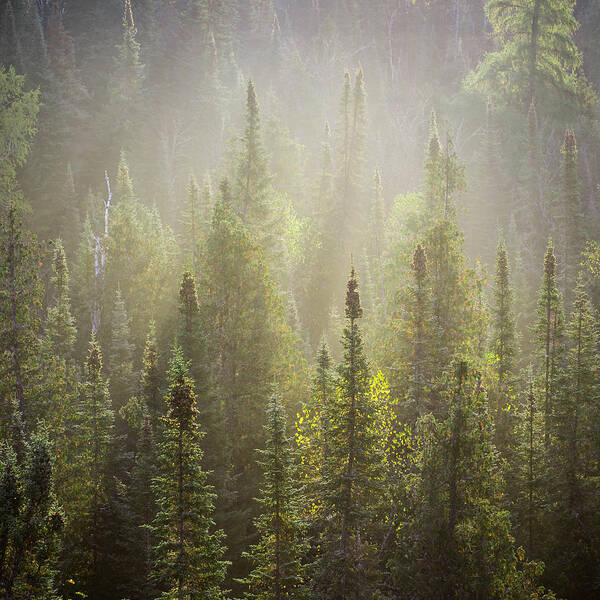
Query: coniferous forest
[(299, 299)]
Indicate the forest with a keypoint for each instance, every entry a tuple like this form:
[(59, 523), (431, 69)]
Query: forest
[(299, 299)]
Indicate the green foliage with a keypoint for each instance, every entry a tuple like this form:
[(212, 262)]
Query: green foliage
[(188, 551), (30, 521), (536, 51), (276, 558)]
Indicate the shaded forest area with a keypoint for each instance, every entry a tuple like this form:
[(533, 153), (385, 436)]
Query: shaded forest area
[(299, 299)]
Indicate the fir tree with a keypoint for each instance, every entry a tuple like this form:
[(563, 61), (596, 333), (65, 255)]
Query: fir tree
[(277, 568), (188, 551)]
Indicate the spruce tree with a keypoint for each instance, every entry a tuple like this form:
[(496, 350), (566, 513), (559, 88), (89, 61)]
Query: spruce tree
[(90, 452), (569, 217), (30, 521), (457, 537), (549, 334), (419, 330), (433, 167), (192, 219), (151, 379), (352, 468), (573, 547), (253, 184), (144, 508), (20, 296), (276, 558), (188, 551), (503, 341), (122, 376), (61, 325)]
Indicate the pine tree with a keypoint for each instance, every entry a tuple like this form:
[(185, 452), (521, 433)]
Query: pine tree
[(277, 557), (352, 468), (61, 325), (188, 551), (549, 333)]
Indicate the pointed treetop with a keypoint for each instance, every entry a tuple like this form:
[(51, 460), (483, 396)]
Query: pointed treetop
[(180, 397), (550, 260), (353, 307), (187, 294), (251, 100), (128, 15), (323, 356), (434, 137), (569, 144), (419, 263), (94, 359), (327, 131)]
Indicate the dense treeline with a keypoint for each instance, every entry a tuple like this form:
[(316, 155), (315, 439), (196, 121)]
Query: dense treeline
[(299, 300)]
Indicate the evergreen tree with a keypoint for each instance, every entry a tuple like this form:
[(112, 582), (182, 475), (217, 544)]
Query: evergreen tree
[(352, 468), (549, 333), (457, 539), (433, 167), (536, 51), (420, 317), (572, 561), (144, 507), (192, 220), (188, 551), (253, 183), (20, 295), (126, 81), (90, 453), (569, 217), (276, 558), (61, 325), (151, 379), (503, 341), (122, 376), (30, 522)]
